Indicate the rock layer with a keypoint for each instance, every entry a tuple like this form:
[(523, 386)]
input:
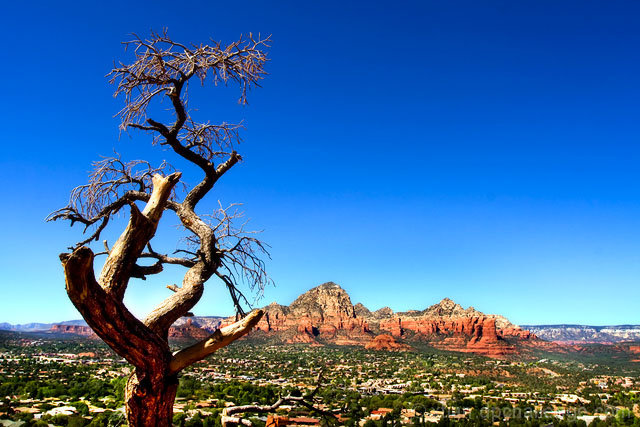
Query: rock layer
[(184, 330), (84, 331)]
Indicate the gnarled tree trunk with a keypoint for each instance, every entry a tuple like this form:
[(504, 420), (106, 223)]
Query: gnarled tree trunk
[(151, 389), (149, 399)]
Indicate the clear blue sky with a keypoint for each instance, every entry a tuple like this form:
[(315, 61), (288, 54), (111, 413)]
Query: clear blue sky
[(482, 151)]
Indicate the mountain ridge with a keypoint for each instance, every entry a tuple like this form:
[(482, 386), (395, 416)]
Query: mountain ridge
[(325, 314), (587, 334)]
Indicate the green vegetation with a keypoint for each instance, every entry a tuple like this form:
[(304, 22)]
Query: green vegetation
[(81, 382)]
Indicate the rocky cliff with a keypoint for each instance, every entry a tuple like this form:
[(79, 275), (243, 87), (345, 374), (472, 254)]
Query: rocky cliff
[(189, 328), (79, 330), (449, 326), (386, 343), (326, 315)]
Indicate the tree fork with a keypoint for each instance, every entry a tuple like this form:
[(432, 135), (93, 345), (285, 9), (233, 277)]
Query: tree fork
[(109, 317)]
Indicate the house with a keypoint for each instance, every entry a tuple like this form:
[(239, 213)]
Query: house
[(278, 421), (378, 414)]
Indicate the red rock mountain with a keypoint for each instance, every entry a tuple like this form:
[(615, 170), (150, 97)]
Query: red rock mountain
[(325, 315), (84, 331)]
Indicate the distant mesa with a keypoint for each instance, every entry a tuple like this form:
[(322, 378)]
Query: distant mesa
[(36, 327), (80, 330), (188, 328), (325, 315), (584, 334)]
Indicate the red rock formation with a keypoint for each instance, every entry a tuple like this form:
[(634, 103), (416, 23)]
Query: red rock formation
[(188, 331), (386, 342), (90, 354), (487, 332), (517, 332), (84, 331), (448, 326), (274, 319), (428, 325), (486, 341), (324, 313), (303, 338)]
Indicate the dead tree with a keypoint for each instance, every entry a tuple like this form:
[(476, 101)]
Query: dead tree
[(215, 244)]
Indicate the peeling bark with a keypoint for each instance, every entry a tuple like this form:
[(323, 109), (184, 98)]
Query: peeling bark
[(121, 262)]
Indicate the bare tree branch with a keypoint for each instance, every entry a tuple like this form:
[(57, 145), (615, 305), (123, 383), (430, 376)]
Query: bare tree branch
[(220, 338), (112, 185), (161, 69), (166, 259), (142, 271), (162, 66)]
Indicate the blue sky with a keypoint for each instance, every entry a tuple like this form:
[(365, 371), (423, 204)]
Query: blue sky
[(482, 151)]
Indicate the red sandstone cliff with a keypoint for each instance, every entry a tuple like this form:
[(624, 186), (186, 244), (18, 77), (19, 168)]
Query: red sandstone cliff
[(325, 314), (84, 331), (448, 326), (188, 330)]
